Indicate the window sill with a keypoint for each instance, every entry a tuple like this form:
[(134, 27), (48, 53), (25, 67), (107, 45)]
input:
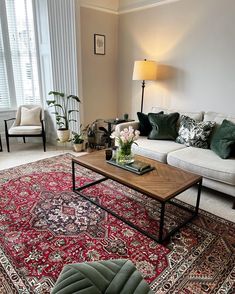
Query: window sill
[(7, 110)]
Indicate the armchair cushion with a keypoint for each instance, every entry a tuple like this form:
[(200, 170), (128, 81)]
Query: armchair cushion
[(30, 117), (26, 130)]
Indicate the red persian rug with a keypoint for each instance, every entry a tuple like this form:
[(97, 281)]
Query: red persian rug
[(44, 225)]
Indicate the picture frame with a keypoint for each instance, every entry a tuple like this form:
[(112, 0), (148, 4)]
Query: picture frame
[(99, 44)]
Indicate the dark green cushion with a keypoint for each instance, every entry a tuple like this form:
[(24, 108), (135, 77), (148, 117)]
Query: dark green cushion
[(163, 126), (145, 126), (107, 276), (223, 140)]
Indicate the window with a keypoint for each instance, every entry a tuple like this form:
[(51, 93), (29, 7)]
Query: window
[(19, 82)]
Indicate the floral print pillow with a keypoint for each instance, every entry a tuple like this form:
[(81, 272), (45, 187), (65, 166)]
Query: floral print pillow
[(193, 133)]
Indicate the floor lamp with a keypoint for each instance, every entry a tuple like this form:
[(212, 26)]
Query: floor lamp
[(144, 70)]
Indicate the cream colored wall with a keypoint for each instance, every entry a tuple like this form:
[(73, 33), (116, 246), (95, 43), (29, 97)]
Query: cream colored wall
[(99, 72), (194, 44)]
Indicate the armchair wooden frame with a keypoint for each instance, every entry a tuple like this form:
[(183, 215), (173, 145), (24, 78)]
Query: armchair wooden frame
[(0, 144)]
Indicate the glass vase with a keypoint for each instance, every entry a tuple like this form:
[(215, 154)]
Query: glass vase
[(124, 154)]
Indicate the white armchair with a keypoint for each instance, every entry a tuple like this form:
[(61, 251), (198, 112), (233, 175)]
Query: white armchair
[(29, 122)]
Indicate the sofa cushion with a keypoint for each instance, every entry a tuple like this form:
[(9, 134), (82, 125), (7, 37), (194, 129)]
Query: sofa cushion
[(163, 126), (223, 139), (144, 124), (193, 133), (155, 149), (205, 163), (218, 117), (198, 116)]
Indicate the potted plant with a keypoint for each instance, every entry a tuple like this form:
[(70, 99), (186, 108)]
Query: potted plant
[(78, 141), (62, 113)]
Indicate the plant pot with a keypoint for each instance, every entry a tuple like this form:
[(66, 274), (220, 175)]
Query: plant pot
[(78, 147), (63, 135)]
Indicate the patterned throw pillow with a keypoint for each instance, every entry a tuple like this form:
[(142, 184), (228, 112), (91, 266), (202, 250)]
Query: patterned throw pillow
[(193, 133)]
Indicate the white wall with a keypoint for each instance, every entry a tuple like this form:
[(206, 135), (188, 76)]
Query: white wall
[(194, 44)]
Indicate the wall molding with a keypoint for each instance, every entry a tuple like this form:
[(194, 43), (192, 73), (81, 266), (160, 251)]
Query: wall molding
[(143, 5), (131, 7), (100, 9)]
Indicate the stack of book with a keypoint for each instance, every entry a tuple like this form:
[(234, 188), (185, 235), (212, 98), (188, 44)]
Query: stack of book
[(137, 166)]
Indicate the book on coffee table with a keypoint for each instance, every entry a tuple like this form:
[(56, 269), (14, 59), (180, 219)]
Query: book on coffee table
[(137, 167)]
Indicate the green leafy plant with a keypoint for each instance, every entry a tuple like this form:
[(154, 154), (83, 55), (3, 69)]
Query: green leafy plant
[(77, 138), (62, 111)]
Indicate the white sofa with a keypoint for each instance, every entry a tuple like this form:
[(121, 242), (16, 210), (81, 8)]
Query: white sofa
[(218, 174)]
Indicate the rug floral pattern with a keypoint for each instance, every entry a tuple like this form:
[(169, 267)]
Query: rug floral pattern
[(44, 225)]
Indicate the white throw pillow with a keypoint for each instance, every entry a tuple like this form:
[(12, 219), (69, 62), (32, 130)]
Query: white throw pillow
[(30, 117)]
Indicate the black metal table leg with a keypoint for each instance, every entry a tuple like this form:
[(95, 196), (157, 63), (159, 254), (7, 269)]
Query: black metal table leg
[(160, 236), (73, 175), (198, 197)]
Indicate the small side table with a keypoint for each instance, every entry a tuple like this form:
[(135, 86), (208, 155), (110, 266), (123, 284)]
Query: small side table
[(113, 122), (0, 144)]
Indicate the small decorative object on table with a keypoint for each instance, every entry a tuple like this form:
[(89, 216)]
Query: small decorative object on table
[(125, 139), (126, 116), (108, 154)]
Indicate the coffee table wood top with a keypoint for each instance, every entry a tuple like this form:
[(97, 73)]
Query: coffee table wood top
[(163, 183)]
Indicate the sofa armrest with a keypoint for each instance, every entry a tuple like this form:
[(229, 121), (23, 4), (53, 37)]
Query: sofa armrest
[(122, 126)]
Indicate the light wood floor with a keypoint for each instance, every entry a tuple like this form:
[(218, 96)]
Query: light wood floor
[(212, 201)]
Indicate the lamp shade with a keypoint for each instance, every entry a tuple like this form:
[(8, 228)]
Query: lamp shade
[(145, 70)]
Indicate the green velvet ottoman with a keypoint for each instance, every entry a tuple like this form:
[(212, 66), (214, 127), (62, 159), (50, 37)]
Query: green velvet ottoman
[(117, 276)]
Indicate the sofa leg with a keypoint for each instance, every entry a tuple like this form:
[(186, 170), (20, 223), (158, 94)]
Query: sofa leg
[(234, 204)]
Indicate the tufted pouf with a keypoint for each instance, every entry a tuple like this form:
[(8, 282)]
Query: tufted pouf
[(117, 276)]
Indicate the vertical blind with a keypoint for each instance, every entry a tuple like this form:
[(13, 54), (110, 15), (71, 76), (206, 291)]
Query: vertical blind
[(4, 91), (61, 16), (20, 63)]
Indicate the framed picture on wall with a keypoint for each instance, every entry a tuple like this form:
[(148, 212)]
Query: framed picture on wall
[(99, 44)]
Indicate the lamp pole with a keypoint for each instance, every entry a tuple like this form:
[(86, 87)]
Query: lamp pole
[(144, 71), (142, 98)]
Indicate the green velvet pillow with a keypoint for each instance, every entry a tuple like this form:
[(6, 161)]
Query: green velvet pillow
[(223, 140), (163, 126), (145, 126)]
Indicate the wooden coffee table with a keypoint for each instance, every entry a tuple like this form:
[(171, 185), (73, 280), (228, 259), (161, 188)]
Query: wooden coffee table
[(162, 184)]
